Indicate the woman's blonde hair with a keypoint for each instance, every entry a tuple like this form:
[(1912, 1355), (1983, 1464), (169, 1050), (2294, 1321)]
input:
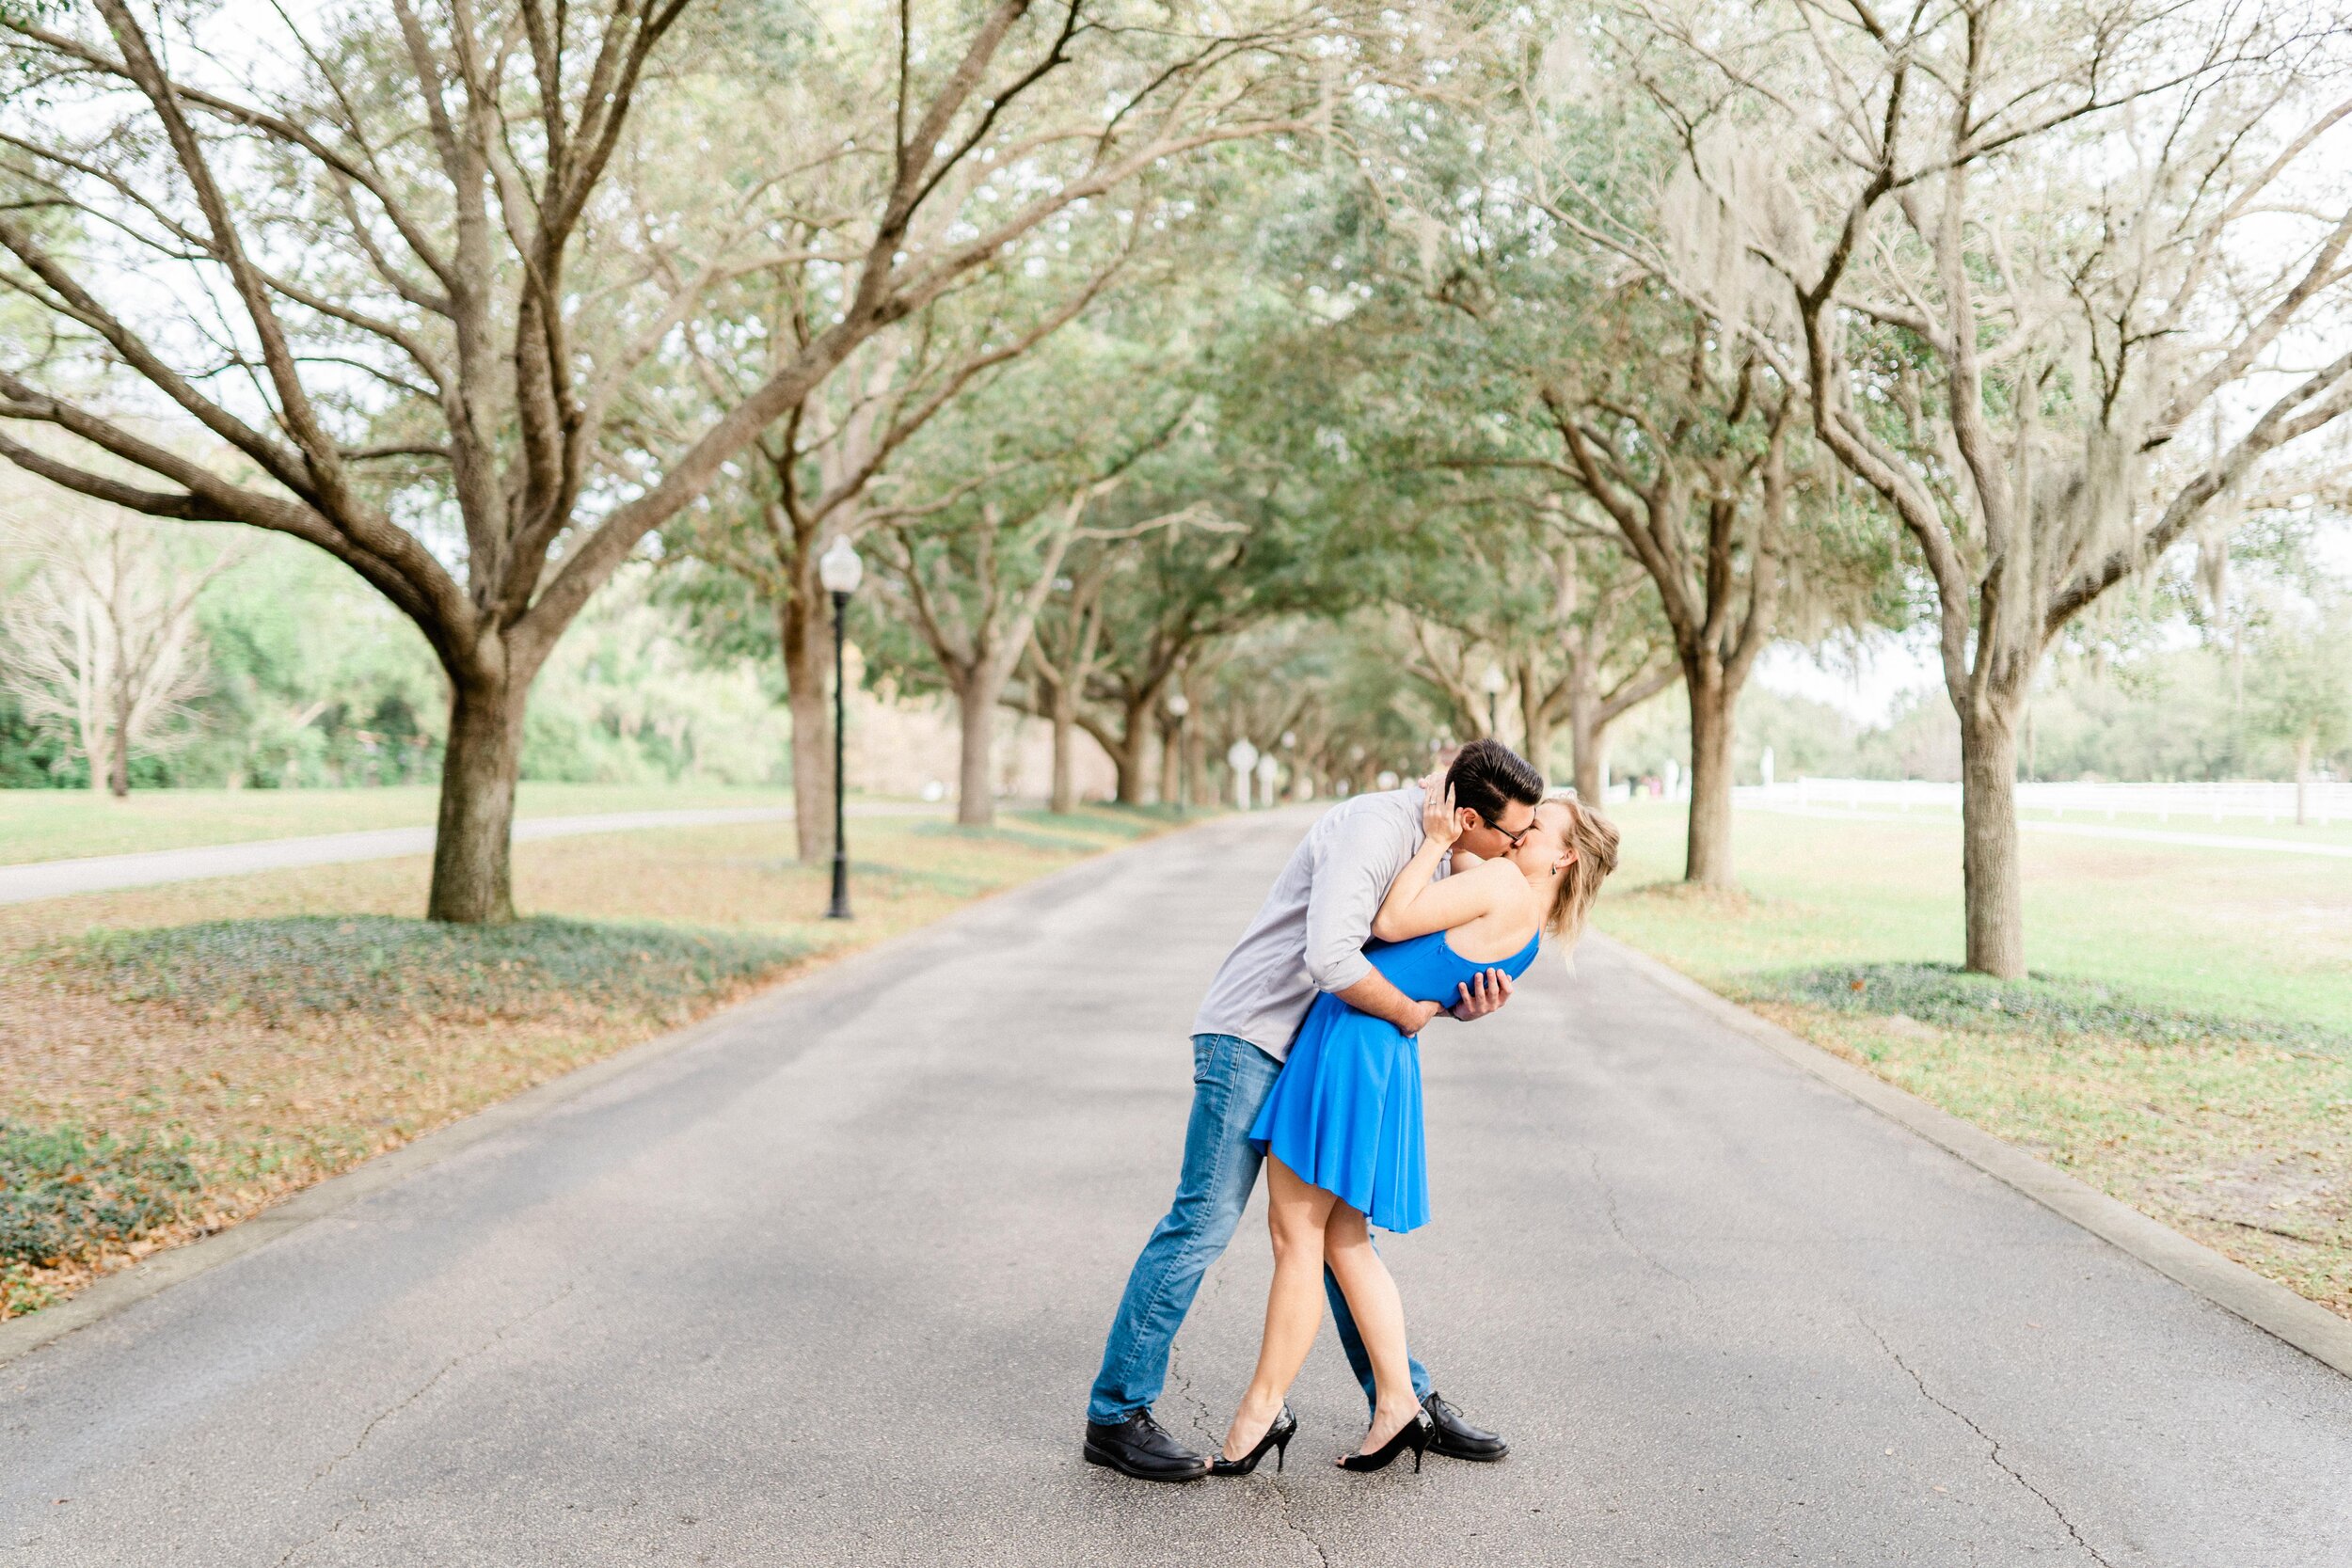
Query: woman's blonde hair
[(1594, 838)]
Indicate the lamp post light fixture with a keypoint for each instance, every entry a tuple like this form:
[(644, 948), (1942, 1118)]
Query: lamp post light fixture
[(840, 570), (1177, 705), (1494, 681)]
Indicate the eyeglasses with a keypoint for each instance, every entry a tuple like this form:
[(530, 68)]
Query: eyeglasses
[(1514, 840)]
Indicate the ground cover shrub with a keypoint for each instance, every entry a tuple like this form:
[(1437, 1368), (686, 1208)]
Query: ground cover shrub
[(2235, 1130), (1118, 821), (1020, 838), (66, 1193), (1949, 997), (898, 881), (382, 966), (284, 1027)]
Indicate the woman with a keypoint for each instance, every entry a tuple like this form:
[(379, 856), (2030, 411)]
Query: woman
[(1342, 1130)]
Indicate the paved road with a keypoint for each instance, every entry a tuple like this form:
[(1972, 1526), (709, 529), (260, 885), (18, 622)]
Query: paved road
[(827, 1287), (24, 883)]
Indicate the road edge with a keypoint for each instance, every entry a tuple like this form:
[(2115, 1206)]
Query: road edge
[(2235, 1288), (159, 1271)]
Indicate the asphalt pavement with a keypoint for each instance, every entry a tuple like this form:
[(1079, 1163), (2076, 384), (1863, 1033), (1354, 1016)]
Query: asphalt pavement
[(828, 1285)]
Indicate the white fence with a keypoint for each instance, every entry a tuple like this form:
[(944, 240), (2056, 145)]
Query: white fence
[(2272, 803)]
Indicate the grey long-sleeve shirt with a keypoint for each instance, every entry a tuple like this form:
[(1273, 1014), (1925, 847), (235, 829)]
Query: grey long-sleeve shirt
[(1309, 934)]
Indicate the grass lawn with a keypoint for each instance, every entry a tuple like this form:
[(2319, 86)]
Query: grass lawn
[(2283, 828), (2187, 1044), (60, 824), (180, 1057)]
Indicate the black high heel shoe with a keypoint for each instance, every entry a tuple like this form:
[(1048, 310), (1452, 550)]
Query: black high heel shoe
[(1413, 1434), (1278, 1437)]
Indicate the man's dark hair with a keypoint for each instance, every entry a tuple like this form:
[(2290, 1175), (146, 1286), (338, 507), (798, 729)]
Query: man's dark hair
[(1487, 773)]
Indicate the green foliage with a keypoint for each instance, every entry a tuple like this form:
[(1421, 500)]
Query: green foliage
[(66, 1193), (35, 757), (315, 680), (1950, 997), (2301, 684), (381, 966), (632, 696)]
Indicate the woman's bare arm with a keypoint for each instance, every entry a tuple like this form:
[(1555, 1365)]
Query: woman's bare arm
[(1446, 906), (1416, 904)]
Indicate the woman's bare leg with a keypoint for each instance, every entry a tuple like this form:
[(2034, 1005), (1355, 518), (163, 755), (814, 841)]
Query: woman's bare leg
[(1295, 1213), (1379, 1313)]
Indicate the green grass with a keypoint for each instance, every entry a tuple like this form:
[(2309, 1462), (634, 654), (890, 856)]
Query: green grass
[(2254, 933), (59, 824), (384, 966), (2183, 1041), (2338, 832)]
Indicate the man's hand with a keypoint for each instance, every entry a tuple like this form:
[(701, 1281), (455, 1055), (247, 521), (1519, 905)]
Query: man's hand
[(1427, 1010), (1484, 995)]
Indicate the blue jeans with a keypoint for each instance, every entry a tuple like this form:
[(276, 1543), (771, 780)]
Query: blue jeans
[(1231, 1079)]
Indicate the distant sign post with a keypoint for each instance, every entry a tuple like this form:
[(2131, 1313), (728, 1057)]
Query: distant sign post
[(1241, 757)]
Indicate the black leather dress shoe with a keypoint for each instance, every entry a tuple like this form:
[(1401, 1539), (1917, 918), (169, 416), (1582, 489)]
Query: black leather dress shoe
[(1139, 1447), (1458, 1438)]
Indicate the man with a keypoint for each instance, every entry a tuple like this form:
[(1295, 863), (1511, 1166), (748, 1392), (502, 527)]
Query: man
[(1309, 937)]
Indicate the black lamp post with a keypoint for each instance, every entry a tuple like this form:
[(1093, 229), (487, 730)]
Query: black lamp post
[(840, 570)]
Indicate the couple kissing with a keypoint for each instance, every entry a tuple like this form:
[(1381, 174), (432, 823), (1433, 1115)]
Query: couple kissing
[(1394, 908)]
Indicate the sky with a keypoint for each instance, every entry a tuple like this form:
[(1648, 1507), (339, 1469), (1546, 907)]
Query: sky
[(1867, 683)]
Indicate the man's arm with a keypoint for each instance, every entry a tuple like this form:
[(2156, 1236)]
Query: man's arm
[(1374, 994), (1351, 875), (1348, 886)]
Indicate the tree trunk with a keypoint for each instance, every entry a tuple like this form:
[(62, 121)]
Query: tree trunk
[(1587, 748), (1584, 733), (119, 754), (1707, 850), (1127, 757), (976, 696), (1065, 722), (1196, 750), (473, 847), (1989, 859), (1172, 764), (804, 623), (1535, 744), (2302, 777)]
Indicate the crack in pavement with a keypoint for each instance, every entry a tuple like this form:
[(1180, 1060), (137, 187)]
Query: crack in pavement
[(308, 1542), (1182, 1381), (1993, 1444), (423, 1388), (1616, 1224), (1290, 1522), (1176, 1372)]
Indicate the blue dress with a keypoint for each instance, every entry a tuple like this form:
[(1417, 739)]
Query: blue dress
[(1345, 1113)]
